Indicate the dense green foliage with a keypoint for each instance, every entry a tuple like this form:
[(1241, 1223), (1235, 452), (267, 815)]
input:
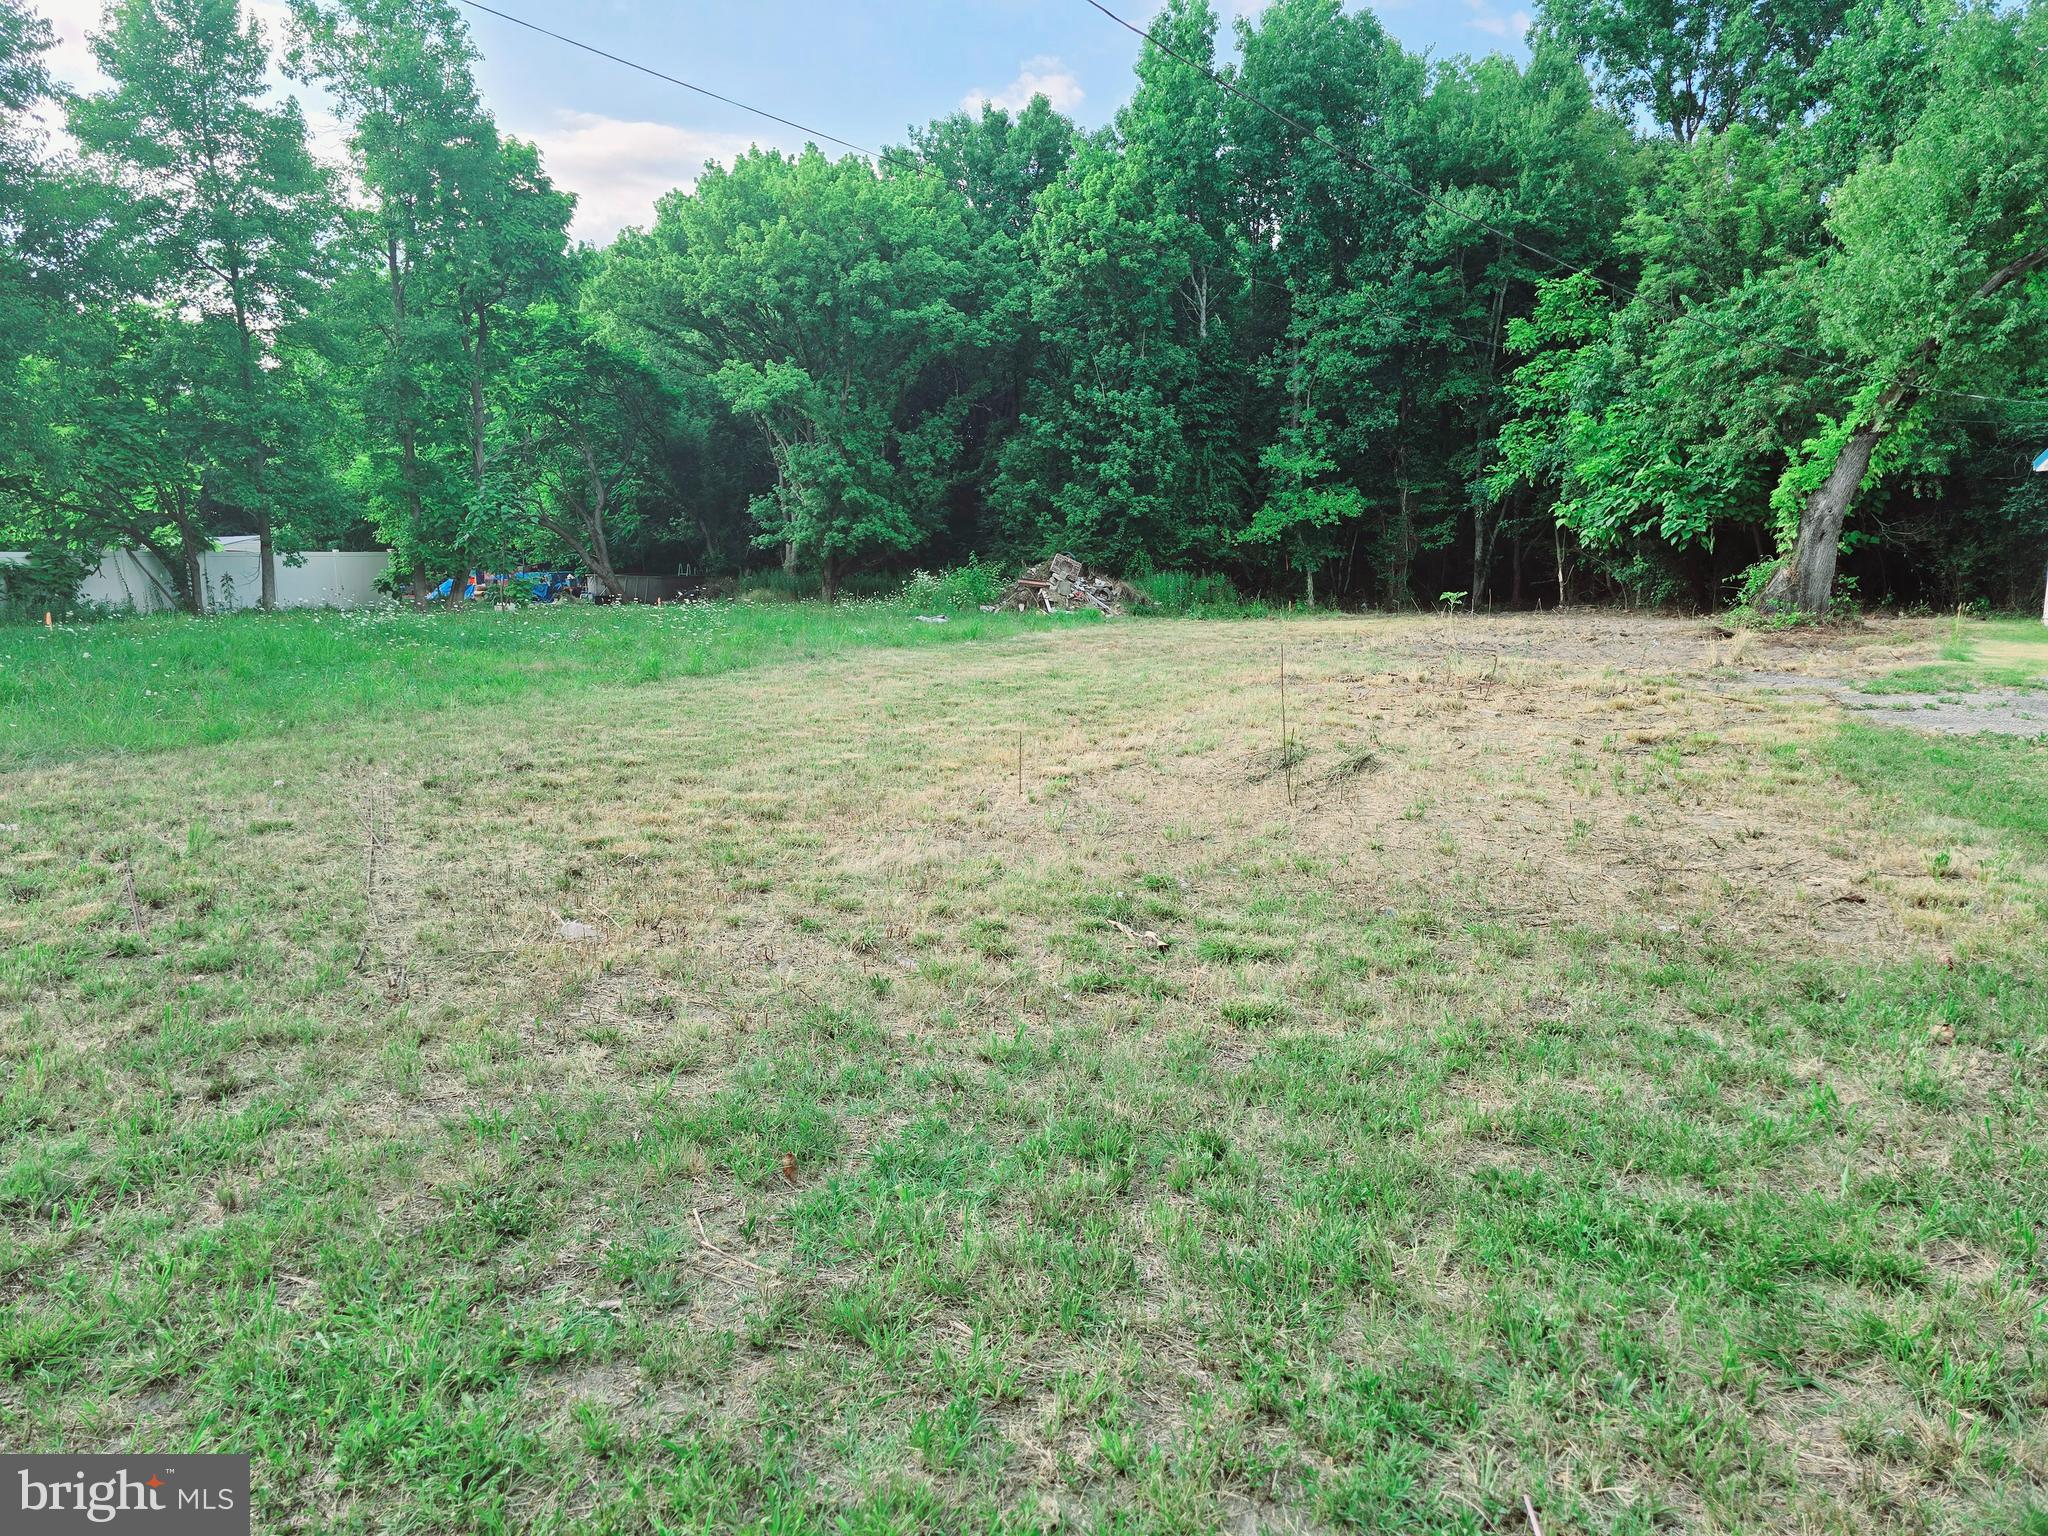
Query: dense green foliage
[(1695, 288)]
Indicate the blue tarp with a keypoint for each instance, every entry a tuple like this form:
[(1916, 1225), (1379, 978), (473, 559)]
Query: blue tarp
[(545, 586)]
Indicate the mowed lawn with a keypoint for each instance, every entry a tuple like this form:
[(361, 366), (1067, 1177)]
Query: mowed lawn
[(899, 1083), (173, 682)]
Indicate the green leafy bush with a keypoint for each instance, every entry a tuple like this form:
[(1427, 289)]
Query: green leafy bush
[(1749, 593), (1188, 592), (969, 586), (47, 582), (1749, 586)]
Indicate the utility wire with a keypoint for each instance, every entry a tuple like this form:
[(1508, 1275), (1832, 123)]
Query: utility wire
[(1359, 160), (518, 21), (773, 117), (1364, 162)]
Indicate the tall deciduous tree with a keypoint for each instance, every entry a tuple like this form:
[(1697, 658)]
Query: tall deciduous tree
[(1935, 291), (1002, 164), (575, 443), (999, 162), (401, 70), (836, 309), (1350, 349), (131, 462), (25, 87), (509, 248), (1538, 174), (1698, 66), (1128, 450), (234, 207)]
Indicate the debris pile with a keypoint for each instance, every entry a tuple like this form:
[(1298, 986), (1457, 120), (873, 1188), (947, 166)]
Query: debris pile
[(1063, 585)]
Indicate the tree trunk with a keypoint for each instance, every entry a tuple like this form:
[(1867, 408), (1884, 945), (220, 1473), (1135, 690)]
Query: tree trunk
[(195, 576), (1482, 556), (1399, 593), (1402, 554), (191, 556), (266, 560), (266, 554), (599, 552), (172, 561), (408, 438), (415, 515), (1806, 581), (831, 578), (1482, 537), (476, 398)]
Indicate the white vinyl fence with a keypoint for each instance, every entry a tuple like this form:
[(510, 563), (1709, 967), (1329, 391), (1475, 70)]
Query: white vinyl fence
[(233, 577)]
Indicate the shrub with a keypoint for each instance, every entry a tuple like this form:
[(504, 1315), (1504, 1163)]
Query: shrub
[(965, 587), (1188, 592), (776, 585), (46, 582), (1749, 586), (1749, 592)]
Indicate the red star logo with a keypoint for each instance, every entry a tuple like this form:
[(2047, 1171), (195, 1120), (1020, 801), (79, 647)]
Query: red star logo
[(155, 1481)]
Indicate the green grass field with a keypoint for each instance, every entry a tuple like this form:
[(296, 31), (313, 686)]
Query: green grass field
[(1001, 1089), (143, 685), (2003, 653)]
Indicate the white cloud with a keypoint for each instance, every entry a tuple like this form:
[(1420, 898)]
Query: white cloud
[(71, 61), (617, 168), (1494, 24), (1042, 75)]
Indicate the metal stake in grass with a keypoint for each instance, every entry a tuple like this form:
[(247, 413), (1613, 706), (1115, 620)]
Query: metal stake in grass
[(1020, 762), (1286, 751)]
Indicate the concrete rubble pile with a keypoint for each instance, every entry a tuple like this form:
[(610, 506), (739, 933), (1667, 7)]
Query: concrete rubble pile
[(1063, 585)]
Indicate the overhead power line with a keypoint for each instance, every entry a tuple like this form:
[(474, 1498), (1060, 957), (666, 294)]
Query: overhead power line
[(1356, 159), (633, 64), (773, 117), (1364, 162)]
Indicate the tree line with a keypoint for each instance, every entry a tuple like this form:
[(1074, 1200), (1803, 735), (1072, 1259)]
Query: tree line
[(1703, 301)]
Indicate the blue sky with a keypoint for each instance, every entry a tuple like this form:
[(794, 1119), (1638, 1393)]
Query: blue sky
[(862, 71)]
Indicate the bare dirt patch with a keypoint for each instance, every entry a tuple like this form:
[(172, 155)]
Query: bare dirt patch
[(1998, 711)]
